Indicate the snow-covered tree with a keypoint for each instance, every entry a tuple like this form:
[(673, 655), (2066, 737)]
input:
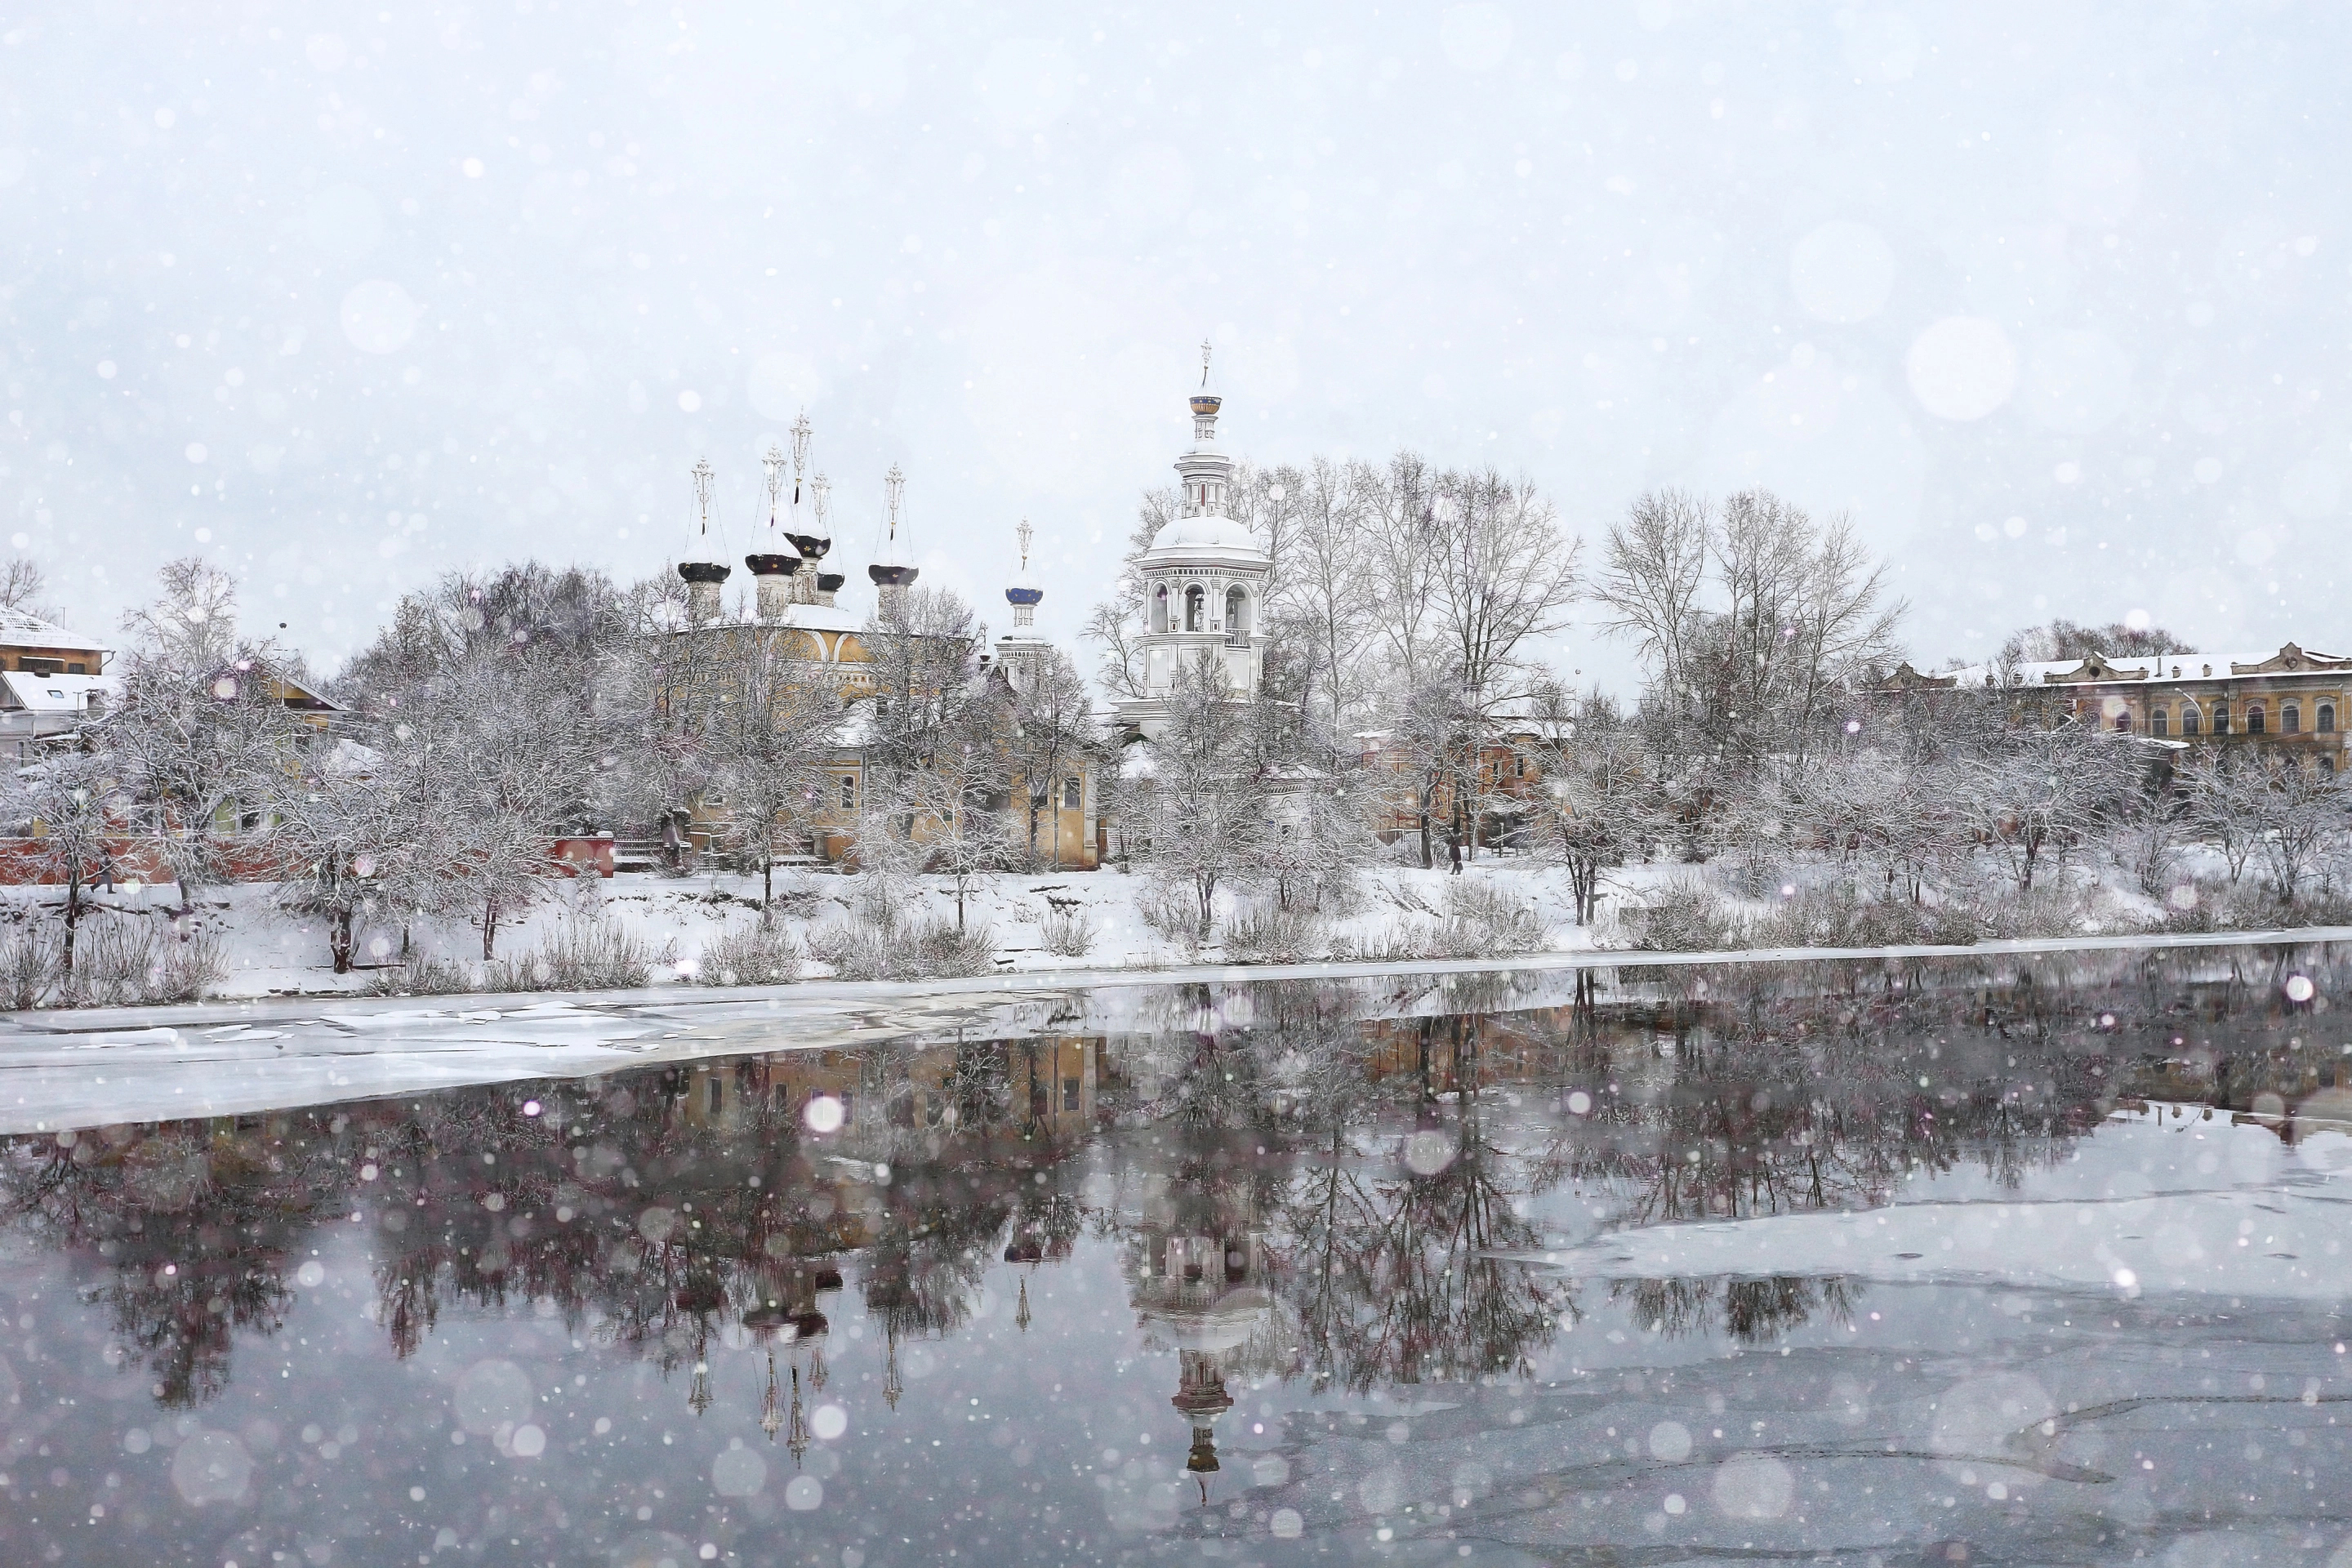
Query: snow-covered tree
[(2042, 793), (65, 809), (1053, 731), (1204, 802), (203, 722), (775, 723), (347, 840), (1597, 805)]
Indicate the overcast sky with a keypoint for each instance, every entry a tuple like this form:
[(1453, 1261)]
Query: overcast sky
[(2052, 297)]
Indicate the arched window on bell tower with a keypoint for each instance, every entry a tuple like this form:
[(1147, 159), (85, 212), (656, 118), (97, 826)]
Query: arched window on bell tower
[(1159, 609), (1236, 610), (1196, 607)]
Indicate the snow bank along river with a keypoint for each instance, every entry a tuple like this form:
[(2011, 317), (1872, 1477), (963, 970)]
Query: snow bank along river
[(2016, 1257)]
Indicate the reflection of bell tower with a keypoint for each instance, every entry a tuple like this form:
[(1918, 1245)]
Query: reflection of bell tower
[(1204, 1295), (1201, 1396)]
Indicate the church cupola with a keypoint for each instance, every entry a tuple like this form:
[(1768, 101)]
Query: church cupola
[(894, 572), (772, 569), (705, 576), (1025, 593), (820, 585), (1207, 473), (812, 539), (1022, 652)]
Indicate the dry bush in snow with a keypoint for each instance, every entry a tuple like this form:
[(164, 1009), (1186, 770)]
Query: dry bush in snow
[(758, 954)]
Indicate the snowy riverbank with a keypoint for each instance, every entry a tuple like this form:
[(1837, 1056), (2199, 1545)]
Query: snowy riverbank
[(104, 1065)]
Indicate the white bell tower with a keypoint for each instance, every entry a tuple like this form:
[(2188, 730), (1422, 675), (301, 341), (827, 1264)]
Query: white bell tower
[(1204, 579)]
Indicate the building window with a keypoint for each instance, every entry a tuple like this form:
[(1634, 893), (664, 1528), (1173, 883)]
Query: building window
[(2156, 721), (717, 1091), (1069, 1094), (1196, 607), (2326, 763), (2255, 719), (1074, 793), (2221, 718), (1160, 610), (2189, 718), (2123, 723), (2290, 719), (1236, 610), (2327, 723), (848, 792)]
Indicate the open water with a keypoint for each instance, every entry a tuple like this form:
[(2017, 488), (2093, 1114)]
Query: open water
[(2023, 1259)]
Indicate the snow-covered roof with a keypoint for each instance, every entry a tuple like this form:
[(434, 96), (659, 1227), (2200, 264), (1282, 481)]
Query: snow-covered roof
[(1204, 535), (807, 617), (56, 693), (21, 629), (2288, 661), (347, 758)]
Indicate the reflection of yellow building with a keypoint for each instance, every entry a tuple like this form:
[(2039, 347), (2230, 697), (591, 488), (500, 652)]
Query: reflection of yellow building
[(1047, 1087)]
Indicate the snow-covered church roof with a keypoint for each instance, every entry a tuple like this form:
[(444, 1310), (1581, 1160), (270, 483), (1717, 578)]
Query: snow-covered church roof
[(1204, 535)]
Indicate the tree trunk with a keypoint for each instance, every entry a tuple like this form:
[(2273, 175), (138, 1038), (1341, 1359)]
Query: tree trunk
[(73, 913), (489, 927), (338, 940)]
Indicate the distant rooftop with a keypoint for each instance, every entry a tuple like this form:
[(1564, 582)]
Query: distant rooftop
[(21, 629)]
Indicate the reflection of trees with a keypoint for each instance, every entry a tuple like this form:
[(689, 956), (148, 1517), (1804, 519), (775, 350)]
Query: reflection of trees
[(1766, 1097), (1753, 1311), (195, 1232), (657, 1210), (1392, 1274)]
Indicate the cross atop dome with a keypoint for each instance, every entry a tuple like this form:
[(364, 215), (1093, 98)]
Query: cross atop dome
[(1205, 404), (1025, 593)]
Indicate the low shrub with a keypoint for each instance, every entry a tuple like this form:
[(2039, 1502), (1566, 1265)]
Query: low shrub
[(1172, 911), (922, 949), (1068, 933), (753, 955), (1482, 921), (422, 976), (1837, 915), (28, 962), (1276, 935), (1683, 916), (580, 955)]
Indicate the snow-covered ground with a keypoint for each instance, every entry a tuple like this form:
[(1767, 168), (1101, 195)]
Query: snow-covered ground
[(271, 953)]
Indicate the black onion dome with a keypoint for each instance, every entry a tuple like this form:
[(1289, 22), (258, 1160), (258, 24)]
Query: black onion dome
[(893, 576), (704, 571), (772, 565)]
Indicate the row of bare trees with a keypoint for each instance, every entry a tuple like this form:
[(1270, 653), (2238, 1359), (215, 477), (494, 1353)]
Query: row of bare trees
[(500, 710)]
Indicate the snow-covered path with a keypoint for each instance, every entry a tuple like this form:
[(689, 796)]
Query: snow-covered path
[(70, 1070)]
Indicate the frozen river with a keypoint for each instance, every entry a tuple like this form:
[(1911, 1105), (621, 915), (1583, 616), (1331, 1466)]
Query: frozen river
[(2004, 1257)]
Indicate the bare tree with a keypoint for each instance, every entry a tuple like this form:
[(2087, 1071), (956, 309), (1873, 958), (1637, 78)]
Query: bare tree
[(1204, 802), (1325, 592), (1597, 799), (2225, 805), (193, 624), (24, 586), (776, 723), (1655, 567), (1755, 621), (67, 808), (2042, 795), (1504, 575), (1053, 731), (346, 838)]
